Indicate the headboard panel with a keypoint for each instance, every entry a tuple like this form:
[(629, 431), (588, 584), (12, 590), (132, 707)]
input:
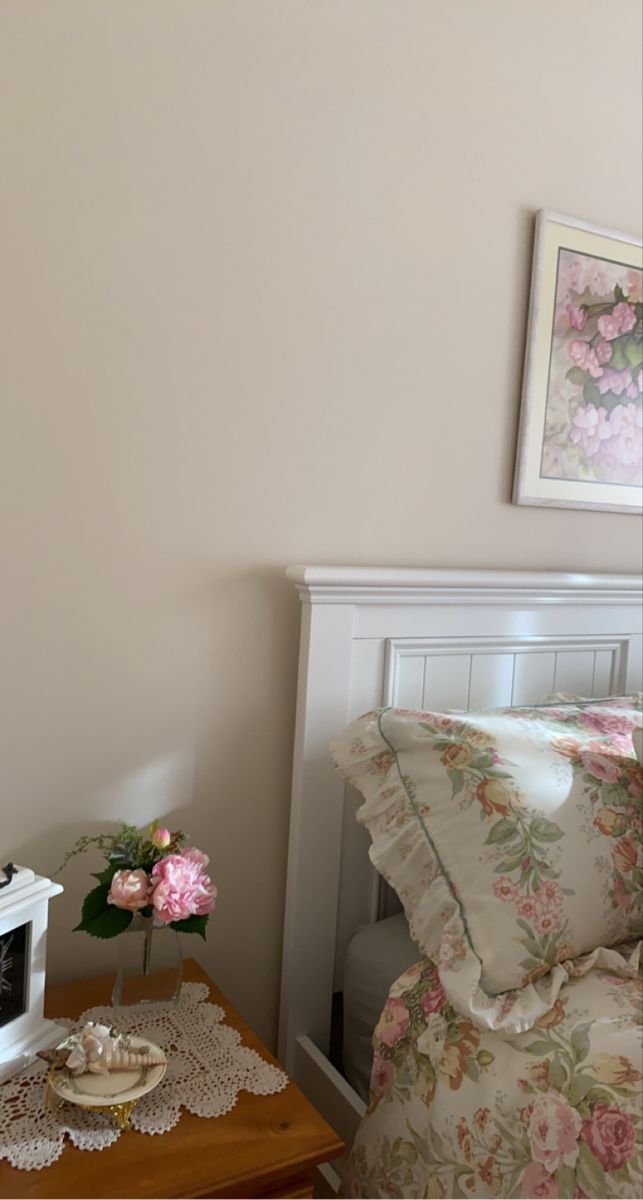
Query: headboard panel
[(418, 639), (472, 673)]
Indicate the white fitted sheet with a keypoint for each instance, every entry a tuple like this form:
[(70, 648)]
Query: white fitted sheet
[(376, 956)]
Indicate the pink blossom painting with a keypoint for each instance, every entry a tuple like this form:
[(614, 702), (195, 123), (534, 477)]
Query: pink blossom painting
[(594, 414), (581, 438)]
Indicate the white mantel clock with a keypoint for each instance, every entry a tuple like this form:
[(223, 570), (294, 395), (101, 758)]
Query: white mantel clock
[(24, 901)]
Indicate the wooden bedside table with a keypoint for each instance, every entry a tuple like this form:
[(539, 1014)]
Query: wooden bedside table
[(268, 1146)]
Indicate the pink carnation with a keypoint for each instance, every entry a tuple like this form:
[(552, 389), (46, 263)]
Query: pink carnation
[(548, 902), (603, 351), (545, 921), (181, 887), (505, 889), (626, 421), (590, 427), (577, 316), (625, 316), (584, 356), (609, 326), (527, 908), (613, 381)]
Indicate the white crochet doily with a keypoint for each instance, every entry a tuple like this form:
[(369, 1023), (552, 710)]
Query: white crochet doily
[(207, 1068)]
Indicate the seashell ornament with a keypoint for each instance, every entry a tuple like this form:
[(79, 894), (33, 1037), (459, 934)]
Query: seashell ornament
[(97, 1049)]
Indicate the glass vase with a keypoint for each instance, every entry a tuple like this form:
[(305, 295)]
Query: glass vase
[(150, 964)]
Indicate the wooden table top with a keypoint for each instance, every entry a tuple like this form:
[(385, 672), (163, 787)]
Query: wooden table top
[(266, 1138)]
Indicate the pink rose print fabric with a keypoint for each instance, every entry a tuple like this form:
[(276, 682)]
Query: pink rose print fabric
[(551, 1112), (513, 837)]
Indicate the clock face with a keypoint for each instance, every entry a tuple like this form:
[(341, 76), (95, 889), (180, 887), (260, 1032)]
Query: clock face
[(14, 961)]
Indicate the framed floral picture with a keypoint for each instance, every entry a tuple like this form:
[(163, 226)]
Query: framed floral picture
[(580, 442)]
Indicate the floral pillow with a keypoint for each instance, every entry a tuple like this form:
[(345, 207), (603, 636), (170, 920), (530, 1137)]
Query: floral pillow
[(513, 838)]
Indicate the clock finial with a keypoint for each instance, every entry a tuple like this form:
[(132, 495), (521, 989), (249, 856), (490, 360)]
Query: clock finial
[(9, 871)]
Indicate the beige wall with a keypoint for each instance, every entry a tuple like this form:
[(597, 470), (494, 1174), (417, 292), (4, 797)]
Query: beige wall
[(264, 283)]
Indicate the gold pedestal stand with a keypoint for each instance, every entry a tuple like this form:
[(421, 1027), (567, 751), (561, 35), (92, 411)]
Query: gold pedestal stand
[(120, 1112)]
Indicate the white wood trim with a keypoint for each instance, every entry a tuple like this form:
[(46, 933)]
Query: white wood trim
[(388, 585), (315, 826), (400, 648), (336, 1100)]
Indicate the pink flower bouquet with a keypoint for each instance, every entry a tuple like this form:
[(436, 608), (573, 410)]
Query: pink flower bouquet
[(150, 872)]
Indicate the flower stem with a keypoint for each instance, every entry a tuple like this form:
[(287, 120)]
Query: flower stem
[(147, 947)]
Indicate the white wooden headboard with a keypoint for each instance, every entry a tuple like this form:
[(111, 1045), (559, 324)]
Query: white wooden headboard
[(433, 639)]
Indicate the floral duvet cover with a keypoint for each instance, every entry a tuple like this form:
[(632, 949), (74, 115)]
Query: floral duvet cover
[(555, 1111)]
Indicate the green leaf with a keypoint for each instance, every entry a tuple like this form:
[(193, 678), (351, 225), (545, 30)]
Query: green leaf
[(548, 872), (619, 294), (472, 1070), (590, 1175), (579, 1043), (618, 360), (95, 902), (634, 353), (100, 919), (599, 1095), (557, 1074), (508, 865), (580, 1086), (540, 1047), (566, 1182), (457, 779), (576, 375), (545, 831), (610, 401), (107, 875), (502, 831), (591, 394), (194, 924)]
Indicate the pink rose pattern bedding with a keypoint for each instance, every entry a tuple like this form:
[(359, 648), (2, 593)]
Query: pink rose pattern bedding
[(554, 1111), (513, 838)]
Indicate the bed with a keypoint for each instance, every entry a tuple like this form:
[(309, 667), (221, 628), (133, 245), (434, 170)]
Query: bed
[(450, 641)]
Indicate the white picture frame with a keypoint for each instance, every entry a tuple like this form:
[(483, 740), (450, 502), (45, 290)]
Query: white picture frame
[(579, 438)]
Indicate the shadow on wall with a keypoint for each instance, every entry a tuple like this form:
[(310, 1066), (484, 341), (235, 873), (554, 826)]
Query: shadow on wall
[(213, 742)]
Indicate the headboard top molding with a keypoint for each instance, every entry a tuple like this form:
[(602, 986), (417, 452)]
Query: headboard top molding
[(414, 585)]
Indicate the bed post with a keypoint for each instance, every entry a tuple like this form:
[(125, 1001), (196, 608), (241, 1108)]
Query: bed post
[(315, 820)]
